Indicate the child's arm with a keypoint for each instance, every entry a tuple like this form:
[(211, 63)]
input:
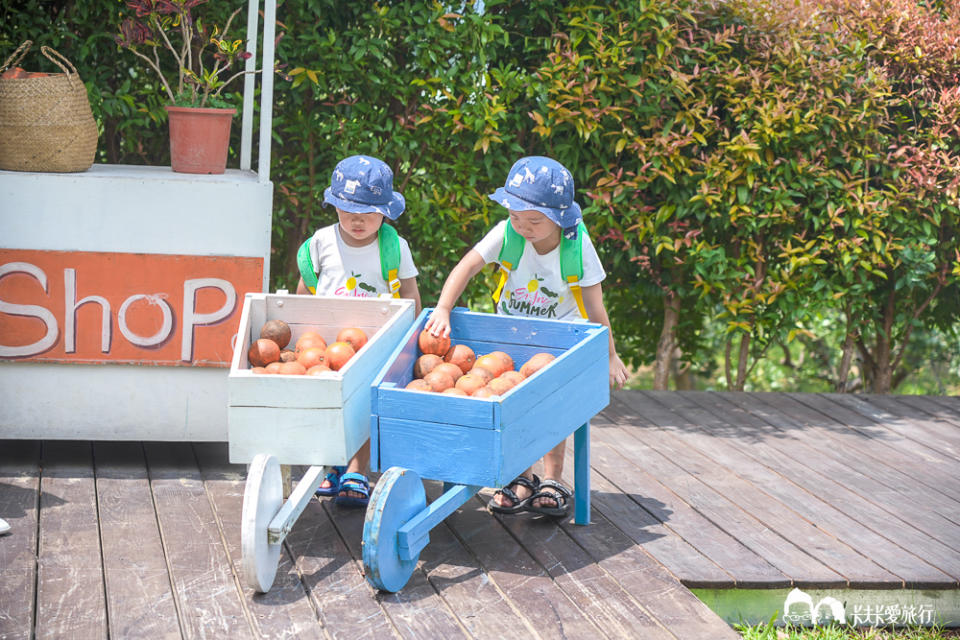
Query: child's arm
[(302, 288), (409, 289), (469, 266), (596, 312)]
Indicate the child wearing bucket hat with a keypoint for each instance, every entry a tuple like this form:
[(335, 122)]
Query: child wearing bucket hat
[(358, 256), (549, 269)]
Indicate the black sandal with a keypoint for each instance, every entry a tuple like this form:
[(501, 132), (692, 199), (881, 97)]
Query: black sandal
[(560, 494), (518, 504)]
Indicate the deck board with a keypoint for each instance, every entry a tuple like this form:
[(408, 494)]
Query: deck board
[(589, 586), (654, 587), (885, 467), (284, 612), (139, 594), (343, 601), (906, 418), (745, 566), (476, 600), (205, 587), (547, 610), (916, 441), (414, 611), (70, 596), (690, 490), (819, 489), (766, 526), (19, 506)]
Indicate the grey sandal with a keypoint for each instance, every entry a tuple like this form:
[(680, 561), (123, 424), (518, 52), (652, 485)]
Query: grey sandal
[(559, 493), (518, 504)]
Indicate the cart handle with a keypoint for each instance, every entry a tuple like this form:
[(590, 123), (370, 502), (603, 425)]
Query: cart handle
[(283, 522), (414, 536)]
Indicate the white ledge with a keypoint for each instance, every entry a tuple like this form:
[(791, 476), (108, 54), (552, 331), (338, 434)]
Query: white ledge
[(136, 172)]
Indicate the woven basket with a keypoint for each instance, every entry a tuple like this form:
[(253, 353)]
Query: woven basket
[(45, 122)]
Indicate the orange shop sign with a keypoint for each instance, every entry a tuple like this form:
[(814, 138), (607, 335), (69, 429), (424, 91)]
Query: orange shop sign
[(97, 307)]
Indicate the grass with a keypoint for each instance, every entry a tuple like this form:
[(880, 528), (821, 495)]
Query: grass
[(835, 632)]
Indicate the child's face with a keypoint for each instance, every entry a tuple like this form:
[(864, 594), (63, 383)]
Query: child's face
[(533, 225), (359, 229)]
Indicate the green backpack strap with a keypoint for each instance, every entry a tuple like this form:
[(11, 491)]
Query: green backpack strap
[(571, 265), (305, 265), (571, 254), (389, 241), (509, 256), (571, 261)]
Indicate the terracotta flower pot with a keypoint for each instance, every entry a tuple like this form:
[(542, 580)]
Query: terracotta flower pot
[(199, 138)]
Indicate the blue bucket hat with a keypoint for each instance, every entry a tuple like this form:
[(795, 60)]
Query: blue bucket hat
[(541, 184), (361, 184)]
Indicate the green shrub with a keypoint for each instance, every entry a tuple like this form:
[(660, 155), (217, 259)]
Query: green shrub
[(756, 175)]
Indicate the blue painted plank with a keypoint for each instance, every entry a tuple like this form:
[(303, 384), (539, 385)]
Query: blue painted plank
[(399, 365), (434, 407), (581, 474), (375, 439), (440, 451), (590, 352), (534, 332), (527, 437)]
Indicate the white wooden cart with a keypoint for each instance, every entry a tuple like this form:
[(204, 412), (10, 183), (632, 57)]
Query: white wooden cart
[(319, 421)]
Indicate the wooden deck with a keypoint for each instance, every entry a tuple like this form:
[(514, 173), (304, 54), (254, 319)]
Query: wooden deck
[(698, 490)]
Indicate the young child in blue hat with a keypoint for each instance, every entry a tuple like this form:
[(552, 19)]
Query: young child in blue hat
[(346, 259), (538, 195)]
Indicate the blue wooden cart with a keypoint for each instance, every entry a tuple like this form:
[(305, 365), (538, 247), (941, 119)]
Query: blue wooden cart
[(471, 443)]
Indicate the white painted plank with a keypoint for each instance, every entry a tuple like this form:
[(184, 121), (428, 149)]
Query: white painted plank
[(137, 209), (112, 402)]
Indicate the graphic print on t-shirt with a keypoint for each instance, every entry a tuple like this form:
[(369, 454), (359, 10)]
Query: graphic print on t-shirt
[(533, 300), (356, 288)]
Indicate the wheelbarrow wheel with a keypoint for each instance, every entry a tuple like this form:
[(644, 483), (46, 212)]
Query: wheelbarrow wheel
[(262, 499), (397, 498)]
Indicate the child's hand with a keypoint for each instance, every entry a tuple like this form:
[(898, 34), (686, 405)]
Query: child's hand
[(438, 324), (618, 372)]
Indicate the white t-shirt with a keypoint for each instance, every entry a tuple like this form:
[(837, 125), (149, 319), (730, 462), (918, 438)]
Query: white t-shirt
[(536, 287), (353, 271)]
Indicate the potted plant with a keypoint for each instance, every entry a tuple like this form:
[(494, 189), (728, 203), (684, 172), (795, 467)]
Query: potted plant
[(204, 58)]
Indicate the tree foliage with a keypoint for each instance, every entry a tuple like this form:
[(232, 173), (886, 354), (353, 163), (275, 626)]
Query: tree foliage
[(763, 180)]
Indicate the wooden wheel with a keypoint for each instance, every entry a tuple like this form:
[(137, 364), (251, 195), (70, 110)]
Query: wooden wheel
[(262, 498), (397, 498)]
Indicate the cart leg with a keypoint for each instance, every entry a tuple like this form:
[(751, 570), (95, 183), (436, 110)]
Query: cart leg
[(286, 480), (581, 474), (299, 498)]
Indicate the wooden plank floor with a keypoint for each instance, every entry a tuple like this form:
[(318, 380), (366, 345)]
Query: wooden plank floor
[(690, 489)]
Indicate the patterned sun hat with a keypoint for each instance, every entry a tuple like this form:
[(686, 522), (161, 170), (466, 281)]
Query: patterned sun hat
[(362, 184), (540, 184)]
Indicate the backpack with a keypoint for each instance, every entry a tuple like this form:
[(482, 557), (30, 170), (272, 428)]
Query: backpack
[(571, 261), (389, 241)]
